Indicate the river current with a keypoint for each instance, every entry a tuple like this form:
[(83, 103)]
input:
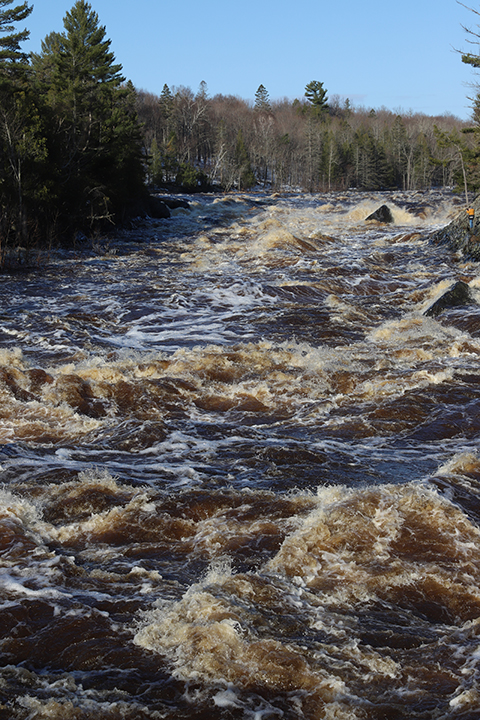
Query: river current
[(240, 468)]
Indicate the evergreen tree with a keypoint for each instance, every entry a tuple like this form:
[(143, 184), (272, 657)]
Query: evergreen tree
[(317, 97), (371, 166), (167, 149), (20, 140), (262, 100), (472, 59), (167, 106), (12, 58), (95, 143), (202, 94)]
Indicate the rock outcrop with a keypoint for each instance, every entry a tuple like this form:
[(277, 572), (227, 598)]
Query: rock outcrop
[(382, 214), (458, 234)]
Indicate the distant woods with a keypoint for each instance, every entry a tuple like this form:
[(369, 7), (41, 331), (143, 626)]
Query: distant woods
[(80, 147), (312, 144)]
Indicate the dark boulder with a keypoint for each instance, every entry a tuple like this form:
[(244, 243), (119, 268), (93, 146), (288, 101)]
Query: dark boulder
[(156, 208), (174, 203), (459, 294), (146, 206), (382, 215)]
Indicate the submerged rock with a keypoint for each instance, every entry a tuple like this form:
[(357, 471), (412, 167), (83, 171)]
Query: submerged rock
[(458, 294), (381, 214)]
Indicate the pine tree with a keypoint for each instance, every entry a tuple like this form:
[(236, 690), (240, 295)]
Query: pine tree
[(262, 100), (95, 144), (202, 94), (317, 97), (166, 101), (12, 58)]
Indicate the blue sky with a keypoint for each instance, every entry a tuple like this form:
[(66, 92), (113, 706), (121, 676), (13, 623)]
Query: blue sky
[(379, 53)]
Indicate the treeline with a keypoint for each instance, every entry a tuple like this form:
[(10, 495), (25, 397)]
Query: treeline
[(311, 144), (80, 147)]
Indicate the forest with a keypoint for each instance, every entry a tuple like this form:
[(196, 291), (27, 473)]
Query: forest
[(309, 144), (81, 149)]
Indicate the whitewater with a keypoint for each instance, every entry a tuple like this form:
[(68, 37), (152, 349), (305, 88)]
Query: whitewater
[(240, 468)]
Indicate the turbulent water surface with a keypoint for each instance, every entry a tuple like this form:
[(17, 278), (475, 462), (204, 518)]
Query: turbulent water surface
[(240, 469)]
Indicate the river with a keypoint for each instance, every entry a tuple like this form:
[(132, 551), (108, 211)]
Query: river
[(240, 468)]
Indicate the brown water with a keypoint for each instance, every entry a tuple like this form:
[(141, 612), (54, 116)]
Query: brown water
[(241, 469)]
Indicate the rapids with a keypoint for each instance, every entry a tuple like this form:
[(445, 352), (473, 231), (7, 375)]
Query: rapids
[(241, 469)]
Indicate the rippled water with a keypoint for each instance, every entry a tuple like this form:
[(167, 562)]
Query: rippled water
[(240, 469)]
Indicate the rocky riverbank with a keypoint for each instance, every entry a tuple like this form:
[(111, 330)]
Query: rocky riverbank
[(458, 234)]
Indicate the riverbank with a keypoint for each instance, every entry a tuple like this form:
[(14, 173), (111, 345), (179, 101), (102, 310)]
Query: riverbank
[(461, 234)]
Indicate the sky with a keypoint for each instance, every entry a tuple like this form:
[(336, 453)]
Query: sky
[(401, 55)]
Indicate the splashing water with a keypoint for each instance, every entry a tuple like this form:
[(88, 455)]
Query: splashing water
[(240, 469)]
